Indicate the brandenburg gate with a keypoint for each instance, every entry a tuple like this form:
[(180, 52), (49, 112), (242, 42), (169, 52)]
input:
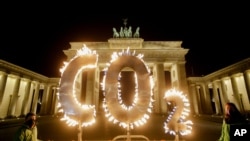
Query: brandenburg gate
[(161, 57)]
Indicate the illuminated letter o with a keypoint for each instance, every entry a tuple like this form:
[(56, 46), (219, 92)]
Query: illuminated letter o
[(136, 114)]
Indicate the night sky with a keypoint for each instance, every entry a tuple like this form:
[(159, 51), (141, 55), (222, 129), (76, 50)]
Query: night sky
[(34, 37)]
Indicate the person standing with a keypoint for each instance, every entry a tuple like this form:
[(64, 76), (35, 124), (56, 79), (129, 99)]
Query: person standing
[(25, 133), (232, 116), (32, 116), (26, 129)]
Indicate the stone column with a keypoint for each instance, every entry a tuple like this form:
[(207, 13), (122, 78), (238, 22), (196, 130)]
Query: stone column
[(160, 78), (24, 110), (198, 98), (49, 99), (247, 82), (3, 79), (56, 101), (202, 98), (236, 91), (207, 99), (194, 106), (53, 101), (14, 97), (35, 98), (224, 91), (182, 78)]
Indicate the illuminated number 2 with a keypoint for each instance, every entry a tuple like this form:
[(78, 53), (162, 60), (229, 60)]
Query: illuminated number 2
[(176, 120)]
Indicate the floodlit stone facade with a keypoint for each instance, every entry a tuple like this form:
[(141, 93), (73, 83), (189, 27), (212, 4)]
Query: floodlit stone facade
[(23, 91), (209, 94)]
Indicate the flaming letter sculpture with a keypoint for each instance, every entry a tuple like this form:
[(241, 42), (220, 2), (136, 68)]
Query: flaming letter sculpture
[(176, 122), (76, 113), (116, 111)]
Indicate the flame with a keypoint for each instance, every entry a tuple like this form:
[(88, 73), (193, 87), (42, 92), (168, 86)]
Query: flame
[(110, 117), (182, 103), (76, 113)]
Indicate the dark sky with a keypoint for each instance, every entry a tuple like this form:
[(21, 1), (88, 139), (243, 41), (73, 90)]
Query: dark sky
[(34, 37)]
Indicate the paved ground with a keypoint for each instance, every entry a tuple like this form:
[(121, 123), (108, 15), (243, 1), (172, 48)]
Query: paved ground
[(52, 129)]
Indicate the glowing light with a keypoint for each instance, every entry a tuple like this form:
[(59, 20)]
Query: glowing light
[(116, 110), (175, 122), (75, 112)]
